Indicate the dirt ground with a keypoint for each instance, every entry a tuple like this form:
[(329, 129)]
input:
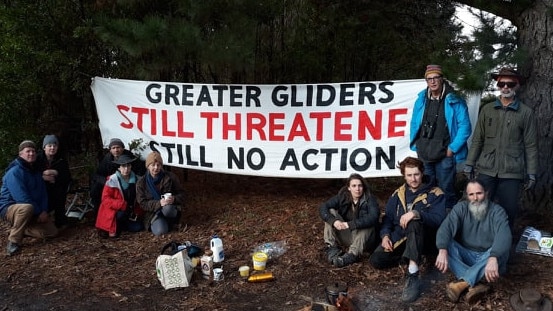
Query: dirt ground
[(79, 271)]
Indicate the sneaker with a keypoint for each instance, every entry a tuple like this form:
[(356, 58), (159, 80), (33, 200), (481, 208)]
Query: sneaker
[(411, 290), (332, 252), (103, 234), (12, 248), (344, 260)]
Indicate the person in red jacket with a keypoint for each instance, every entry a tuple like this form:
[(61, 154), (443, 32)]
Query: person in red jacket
[(119, 210)]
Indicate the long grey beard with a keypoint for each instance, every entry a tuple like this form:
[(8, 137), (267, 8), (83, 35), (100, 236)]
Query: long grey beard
[(478, 209)]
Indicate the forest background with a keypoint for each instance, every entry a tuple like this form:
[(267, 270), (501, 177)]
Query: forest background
[(50, 50)]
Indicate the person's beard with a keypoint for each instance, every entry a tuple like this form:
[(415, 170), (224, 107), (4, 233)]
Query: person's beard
[(478, 209), (508, 94)]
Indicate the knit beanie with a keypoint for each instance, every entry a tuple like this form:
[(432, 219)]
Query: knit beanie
[(116, 142), (154, 156), (436, 69), (27, 144), (49, 139)]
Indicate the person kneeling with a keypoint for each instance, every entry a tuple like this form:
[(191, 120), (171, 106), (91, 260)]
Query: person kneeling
[(160, 195), (118, 210), (350, 219), (473, 242)]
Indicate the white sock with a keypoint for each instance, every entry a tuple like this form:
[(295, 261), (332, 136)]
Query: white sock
[(413, 269)]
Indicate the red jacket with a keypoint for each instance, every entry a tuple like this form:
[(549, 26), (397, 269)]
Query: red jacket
[(112, 201)]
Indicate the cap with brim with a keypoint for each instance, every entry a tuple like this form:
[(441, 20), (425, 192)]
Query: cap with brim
[(529, 299), (508, 72), (124, 159)]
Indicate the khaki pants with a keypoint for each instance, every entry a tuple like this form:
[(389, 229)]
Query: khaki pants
[(20, 217), (357, 241)]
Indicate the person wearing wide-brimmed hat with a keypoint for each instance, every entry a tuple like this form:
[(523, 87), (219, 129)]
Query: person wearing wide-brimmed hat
[(56, 175), (439, 130), (119, 210), (107, 167), (24, 201), (473, 242), (504, 148), (162, 211)]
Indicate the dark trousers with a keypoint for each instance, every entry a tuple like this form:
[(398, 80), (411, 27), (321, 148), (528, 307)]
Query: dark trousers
[(410, 249), (444, 171), (504, 191)]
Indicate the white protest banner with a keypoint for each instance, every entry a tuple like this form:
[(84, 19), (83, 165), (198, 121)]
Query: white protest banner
[(291, 130)]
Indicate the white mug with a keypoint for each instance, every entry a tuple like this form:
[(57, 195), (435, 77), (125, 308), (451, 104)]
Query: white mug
[(167, 196)]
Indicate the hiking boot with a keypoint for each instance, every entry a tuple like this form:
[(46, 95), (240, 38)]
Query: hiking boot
[(12, 248), (344, 260), (411, 290), (332, 252), (476, 293), (454, 290)]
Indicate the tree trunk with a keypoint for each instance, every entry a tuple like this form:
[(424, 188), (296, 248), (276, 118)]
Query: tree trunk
[(535, 29)]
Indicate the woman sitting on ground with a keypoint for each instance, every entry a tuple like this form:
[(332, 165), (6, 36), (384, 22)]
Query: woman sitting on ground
[(160, 195), (119, 210)]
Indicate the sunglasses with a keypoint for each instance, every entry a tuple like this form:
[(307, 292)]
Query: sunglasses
[(508, 84)]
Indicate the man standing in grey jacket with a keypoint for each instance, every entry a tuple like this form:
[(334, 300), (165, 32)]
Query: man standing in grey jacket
[(504, 147)]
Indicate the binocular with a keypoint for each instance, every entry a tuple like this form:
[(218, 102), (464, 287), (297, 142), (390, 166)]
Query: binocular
[(428, 130)]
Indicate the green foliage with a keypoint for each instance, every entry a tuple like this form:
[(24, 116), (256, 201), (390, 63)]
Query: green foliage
[(51, 49)]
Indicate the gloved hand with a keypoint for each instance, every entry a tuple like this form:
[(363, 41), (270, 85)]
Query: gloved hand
[(468, 171), (530, 183)]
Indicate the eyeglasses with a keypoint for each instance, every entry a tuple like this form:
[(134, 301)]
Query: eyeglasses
[(432, 79), (508, 84)]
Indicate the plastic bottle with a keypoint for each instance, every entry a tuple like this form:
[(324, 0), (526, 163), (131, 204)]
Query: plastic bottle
[(207, 264), (217, 248), (272, 249)]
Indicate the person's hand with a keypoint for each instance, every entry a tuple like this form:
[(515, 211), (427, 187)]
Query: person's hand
[(531, 183), (441, 261), (167, 200), (340, 225), (468, 171), (405, 219), (50, 175), (387, 244), (492, 270)]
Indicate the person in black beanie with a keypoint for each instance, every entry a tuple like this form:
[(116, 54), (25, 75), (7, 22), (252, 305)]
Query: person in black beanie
[(56, 175), (107, 167)]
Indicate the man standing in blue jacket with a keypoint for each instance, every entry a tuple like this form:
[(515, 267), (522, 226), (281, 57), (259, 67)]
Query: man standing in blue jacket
[(24, 201), (440, 127)]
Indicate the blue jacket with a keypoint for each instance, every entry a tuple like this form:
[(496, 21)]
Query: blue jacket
[(457, 119), (23, 184)]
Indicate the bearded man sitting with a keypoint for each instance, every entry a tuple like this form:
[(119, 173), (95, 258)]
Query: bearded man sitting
[(473, 242)]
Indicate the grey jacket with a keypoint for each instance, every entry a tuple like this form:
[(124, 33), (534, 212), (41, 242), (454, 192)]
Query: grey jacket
[(505, 142)]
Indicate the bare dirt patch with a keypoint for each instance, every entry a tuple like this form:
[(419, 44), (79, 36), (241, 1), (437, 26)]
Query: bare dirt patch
[(79, 271)]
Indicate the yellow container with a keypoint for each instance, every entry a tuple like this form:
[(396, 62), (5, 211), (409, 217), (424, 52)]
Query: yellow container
[(244, 271), (259, 260)]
